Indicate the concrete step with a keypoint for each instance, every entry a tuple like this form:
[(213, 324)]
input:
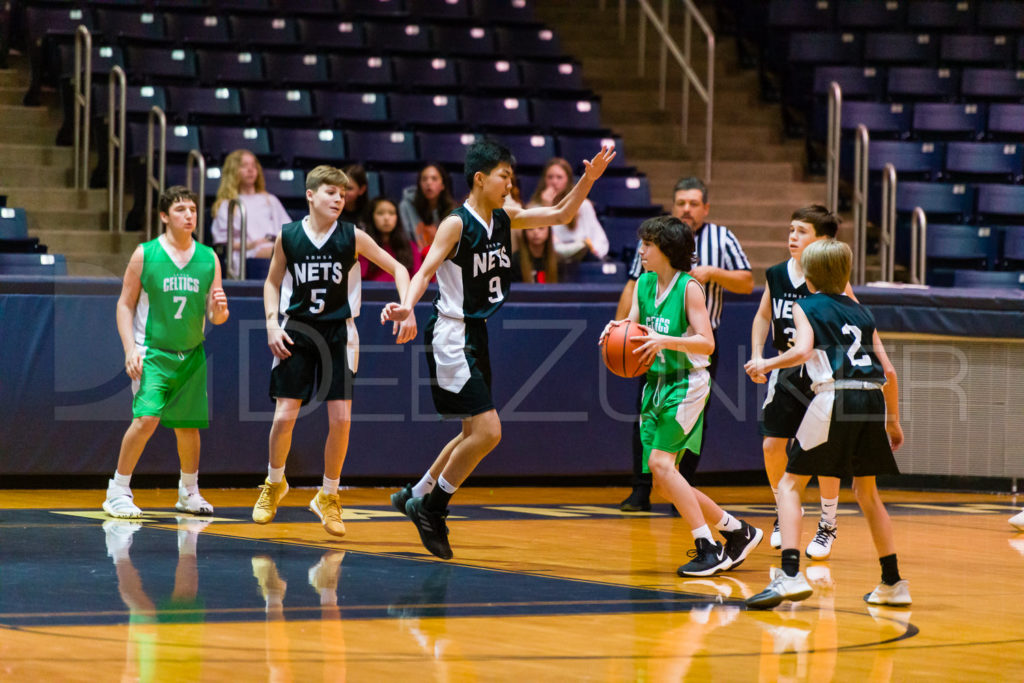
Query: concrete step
[(15, 78), (44, 134), (37, 177), (18, 115), (13, 154), (757, 230), (798, 193), (40, 219), (32, 198), (93, 264), (779, 171), (84, 241)]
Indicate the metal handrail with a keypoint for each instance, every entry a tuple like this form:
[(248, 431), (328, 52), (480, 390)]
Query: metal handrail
[(682, 58), (861, 145), (195, 158), (82, 105), (153, 182), (918, 246), (887, 237), (236, 273), (835, 120), (116, 112)]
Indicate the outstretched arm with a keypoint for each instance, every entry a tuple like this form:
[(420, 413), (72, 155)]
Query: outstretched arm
[(562, 212), (448, 234), (365, 246)]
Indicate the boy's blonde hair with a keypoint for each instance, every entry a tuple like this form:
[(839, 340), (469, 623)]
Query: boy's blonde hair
[(826, 263), (326, 175)]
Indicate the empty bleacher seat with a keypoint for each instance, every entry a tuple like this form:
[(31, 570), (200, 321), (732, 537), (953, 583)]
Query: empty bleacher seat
[(180, 140), (1011, 256), (350, 107), (960, 246), (197, 29), (409, 109), (941, 14), (958, 48), (47, 265), (1006, 120), (398, 36), (995, 84), (504, 11), (940, 201), (867, 82), (495, 112), (260, 30), (461, 39), (530, 150), (576, 148), (900, 48), (116, 24), (528, 41), (444, 148), (394, 182), (138, 99), (988, 279), (985, 159), (304, 68), (489, 74), (380, 8), (205, 104), (14, 233), (361, 70), (177, 63), (426, 72), (1000, 15), (382, 146), (286, 183), (621, 232), (439, 9), (308, 146), (623, 192), (596, 272), (800, 14), (1000, 203), (919, 159), (278, 105), (575, 114), (323, 33), (219, 141), (819, 47), (218, 67), (965, 121), (922, 82), (891, 119), (564, 75)]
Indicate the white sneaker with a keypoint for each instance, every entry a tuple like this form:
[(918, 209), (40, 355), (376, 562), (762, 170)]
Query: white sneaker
[(820, 547), (896, 595), (781, 587), (192, 502), (776, 538), (120, 502), (1017, 521), (119, 534)]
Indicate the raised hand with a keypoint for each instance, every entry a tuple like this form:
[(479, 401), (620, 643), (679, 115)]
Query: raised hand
[(596, 166)]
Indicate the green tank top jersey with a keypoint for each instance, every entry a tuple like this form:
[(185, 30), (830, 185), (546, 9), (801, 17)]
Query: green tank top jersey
[(667, 315), (171, 313)]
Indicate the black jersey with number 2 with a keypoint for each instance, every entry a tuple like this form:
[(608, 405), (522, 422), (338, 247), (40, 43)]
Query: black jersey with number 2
[(843, 339)]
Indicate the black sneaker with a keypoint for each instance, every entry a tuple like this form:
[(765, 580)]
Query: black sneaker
[(740, 543), (708, 558), (430, 524), (400, 498), (638, 501)]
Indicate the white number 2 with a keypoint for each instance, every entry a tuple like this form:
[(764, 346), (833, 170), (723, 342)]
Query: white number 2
[(180, 300), (851, 353), (316, 295), (495, 286)]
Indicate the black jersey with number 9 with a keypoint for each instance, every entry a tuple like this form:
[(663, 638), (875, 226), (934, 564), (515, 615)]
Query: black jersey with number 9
[(474, 281)]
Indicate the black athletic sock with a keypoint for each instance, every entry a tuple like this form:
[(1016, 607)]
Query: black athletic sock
[(890, 570), (437, 500), (791, 561)]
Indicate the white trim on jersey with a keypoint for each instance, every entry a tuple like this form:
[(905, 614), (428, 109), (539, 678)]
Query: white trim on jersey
[(659, 299), (448, 345), (355, 290), (689, 410), (796, 276), (286, 293), (489, 227), (452, 299), (141, 318), (352, 348), (322, 240)]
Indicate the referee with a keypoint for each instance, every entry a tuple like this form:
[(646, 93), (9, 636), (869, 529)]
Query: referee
[(721, 265)]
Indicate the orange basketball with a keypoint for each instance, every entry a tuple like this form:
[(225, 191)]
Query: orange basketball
[(618, 348)]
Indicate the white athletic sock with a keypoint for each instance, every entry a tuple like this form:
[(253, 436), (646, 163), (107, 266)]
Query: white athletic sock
[(275, 475), (728, 523), (445, 486), (424, 486), (702, 532), (331, 485), (190, 481), (122, 480), (829, 507)]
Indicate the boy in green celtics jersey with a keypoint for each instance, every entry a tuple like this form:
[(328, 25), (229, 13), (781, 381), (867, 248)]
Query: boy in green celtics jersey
[(310, 300), (669, 304), (171, 287)]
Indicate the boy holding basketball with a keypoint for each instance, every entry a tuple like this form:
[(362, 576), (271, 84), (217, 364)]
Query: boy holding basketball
[(470, 255), (669, 303), (851, 426)]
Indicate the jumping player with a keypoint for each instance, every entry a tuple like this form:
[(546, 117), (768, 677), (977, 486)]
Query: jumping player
[(314, 283), (850, 428), (171, 288), (471, 257), (669, 302)]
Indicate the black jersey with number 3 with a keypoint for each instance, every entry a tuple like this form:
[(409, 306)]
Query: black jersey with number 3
[(843, 339), (474, 281), (323, 280), (786, 285)]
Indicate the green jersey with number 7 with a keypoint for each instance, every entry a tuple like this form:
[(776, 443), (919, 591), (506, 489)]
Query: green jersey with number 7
[(171, 313)]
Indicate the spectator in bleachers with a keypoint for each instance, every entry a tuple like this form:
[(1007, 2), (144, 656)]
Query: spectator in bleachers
[(357, 201), (581, 239), (382, 228), (536, 260), (426, 204), (241, 177)]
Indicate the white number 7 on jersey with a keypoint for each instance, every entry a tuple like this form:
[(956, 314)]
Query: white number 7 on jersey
[(180, 300)]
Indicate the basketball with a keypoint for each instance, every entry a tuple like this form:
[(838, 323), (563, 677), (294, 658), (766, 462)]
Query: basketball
[(618, 348)]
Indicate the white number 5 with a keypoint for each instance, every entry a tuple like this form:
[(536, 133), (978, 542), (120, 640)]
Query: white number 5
[(316, 295)]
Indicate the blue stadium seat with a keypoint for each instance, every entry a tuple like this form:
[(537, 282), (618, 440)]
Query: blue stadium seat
[(985, 159), (444, 148), (800, 14), (104, 58), (139, 99), (900, 48), (13, 223), (564, 75), (439, 9), (219, 141), (426, 72), (181, 139), (1000, 15), (495, 112), (333, 35), (269, 106), (308, 146), (978, 50), (378, 8), (940, 201), (621, 232), (225, 5), (596, 272), (327, 8), (256, 268), (941, 15), (263, 30), (177, 63), (381, 147), (462, 39), (197, 29), (962, 121), (1000, 203), (415, 109), (856, 81), (995, 84), (1006, 121), (881, 118), (869, 14), (1012, 255), (988, 279), (910, 158), (504, 11), (623, 192), (393, 183), (528, 41), (921, 82), (131, 25), (292, 68), (819, 47), (403, 36), (45, 265), (351, 107), (361, 71), (202, 104), (490, 74), (530, 150), (217, 67), (576, 148), (960, 246), (574, 114), (288, 184)]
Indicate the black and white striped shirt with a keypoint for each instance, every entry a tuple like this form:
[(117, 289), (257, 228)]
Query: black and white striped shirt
[(716, 246)]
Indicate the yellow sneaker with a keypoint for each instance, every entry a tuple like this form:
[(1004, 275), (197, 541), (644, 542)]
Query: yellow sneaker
[(328, 508), (270, 495)]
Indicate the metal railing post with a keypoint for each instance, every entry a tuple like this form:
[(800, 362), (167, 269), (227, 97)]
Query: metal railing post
[(82, 104), (835, 127), (239, 272), (918, 246), (116, 113), (860, 203), (887, 241), (156, 115), (195, 158)]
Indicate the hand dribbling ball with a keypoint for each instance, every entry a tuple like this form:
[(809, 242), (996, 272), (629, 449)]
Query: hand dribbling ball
[(617, 350)]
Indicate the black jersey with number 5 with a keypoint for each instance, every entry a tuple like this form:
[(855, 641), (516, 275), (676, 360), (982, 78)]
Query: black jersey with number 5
[(474, 281), (322, 281), (843, 339), (786, 285)]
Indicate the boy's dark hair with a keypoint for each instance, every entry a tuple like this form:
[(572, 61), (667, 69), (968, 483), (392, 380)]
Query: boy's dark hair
[(692, 183), (673, 237), (824, 221), (483, 156), (175, 193)]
